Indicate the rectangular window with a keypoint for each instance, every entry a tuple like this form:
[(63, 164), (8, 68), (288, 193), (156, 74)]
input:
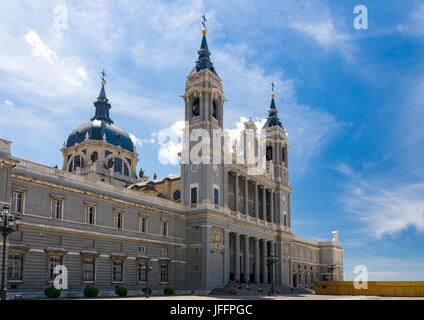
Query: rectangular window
[(163, 251), (194, 195), (119, 220), (142, 274), (88, 269), (164, 273), (17, 201), (142, 249), (91, 214), (215, 196), (285, 220), (164, 227), (57, 208), (53, 262), (143, 224), (117, 271), (15, 266)]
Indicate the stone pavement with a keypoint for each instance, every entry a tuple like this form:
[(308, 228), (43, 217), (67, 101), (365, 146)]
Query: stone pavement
[(262, 297)]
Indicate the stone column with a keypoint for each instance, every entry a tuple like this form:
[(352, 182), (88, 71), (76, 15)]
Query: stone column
[(236, 192), (271, 204), (256, 200), (225, 190), (289, 211), (264, 203), (264, 265), (274, 266), (257, 266), (226, 256), (246, 196), (246, 258), (237, 256)]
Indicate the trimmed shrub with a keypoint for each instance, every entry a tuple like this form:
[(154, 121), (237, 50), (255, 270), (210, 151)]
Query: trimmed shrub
[(121, 291), (168, 291), (148, 290), (52, 293), (91, 292)]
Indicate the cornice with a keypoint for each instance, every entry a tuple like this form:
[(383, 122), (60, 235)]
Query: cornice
[(91, 194)]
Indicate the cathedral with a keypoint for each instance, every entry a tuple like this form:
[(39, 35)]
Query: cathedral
[(212, 224)]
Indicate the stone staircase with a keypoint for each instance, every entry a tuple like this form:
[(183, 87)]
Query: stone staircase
[(259, 290)]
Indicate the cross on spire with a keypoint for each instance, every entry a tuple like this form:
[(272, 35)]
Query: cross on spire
[(272, 86), (102, 76), (204, 21)]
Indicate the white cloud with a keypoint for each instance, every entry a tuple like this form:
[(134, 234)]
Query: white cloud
[(69, 79), (384, 208), (345, 169), (385, 268), (415, 24), (81, 71), (140, 142), (323, 32), (136, 140), (170, 142), (9, 103), (39, 49), (247, 86)]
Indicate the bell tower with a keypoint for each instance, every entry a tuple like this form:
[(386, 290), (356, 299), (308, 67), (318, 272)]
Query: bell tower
[(201, 176), (277, 164)]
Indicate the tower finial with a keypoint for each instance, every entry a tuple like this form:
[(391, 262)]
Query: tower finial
[(103, 75), (272, 88), (204, 23)]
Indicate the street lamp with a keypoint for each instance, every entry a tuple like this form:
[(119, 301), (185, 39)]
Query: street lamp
[(8, 223), (147, 268), (331, 268), (270, 261)]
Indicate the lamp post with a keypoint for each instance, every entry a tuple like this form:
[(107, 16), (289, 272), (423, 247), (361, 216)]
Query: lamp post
[(147, 268), (331, 268), (8, 223), (270, 261)]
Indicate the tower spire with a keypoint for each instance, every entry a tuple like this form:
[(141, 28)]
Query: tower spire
[(102, 104), (204, 61), (273, 119)]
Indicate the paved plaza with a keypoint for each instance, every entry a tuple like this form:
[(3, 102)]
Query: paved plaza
[(279, 297)]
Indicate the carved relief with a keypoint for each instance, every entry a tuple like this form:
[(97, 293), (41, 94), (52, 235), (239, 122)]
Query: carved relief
[(286, 249), (217, 238)]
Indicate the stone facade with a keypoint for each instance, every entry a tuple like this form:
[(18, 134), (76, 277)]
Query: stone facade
[(211, 224)]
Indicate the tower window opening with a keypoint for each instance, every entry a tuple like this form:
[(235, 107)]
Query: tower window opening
[(268, 153), (94, 156), (195, 110), (214, 110)]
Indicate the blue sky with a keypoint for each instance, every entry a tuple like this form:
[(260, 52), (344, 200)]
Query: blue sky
[(351, 100)]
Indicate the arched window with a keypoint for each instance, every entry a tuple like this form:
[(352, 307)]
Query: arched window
[(177, 195), (195, 109), (94, 156), (214, 110), (283, 155), (118, 165), (76, 162), (268, 153)]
